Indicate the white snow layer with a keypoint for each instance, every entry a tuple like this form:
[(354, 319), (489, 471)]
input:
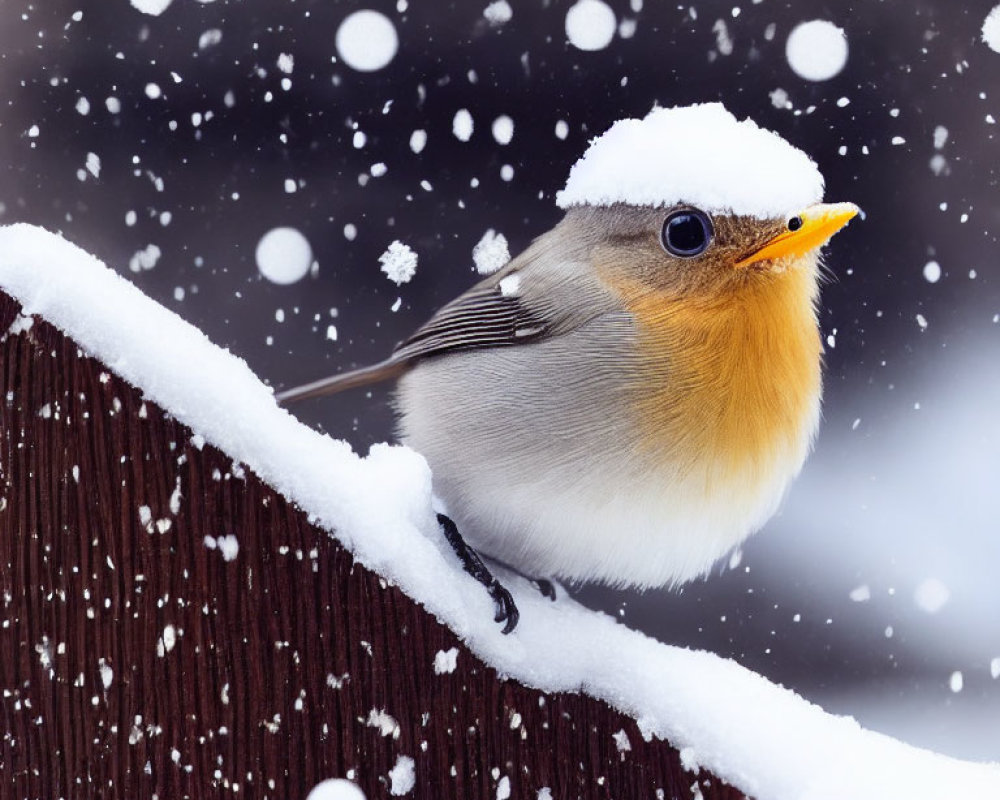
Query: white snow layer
[(816, 50), (991, 30), (336, 789), (402, 777), (366, 40), (399, 262), (283, 255), (462, 125), (498, 12), (152, 7), (491, 252), (765, 740), (590, 25), (700, 155)]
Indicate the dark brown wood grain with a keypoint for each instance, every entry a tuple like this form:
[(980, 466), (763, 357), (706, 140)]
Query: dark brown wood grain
[(279, 657)]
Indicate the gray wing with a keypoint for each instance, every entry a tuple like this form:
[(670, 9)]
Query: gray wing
[(491, 314), (512, 307), (548, 290)]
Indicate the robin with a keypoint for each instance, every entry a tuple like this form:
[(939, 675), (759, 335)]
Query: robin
[(629, 398)]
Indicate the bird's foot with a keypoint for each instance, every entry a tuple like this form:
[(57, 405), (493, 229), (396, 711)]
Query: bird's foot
[(506, 609), (546, 587)]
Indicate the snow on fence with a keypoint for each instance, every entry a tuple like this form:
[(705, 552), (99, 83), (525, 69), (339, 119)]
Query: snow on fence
[(178, 621)]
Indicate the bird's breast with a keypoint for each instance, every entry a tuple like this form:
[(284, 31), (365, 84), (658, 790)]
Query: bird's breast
[(732, 387)]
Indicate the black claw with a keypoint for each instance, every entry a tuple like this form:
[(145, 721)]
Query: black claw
[(473, 564), (506, 608), (547, 588)]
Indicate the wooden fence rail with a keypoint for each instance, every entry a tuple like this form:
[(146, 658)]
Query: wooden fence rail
[(171, 627)]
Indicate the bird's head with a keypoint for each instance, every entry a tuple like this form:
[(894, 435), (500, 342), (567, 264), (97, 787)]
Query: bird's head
[(684, 251), (691, 203)]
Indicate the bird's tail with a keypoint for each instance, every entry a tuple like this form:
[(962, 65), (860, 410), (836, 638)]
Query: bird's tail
[(383, 371)]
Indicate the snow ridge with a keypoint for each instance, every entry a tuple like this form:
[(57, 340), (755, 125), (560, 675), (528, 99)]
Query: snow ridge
[(761, 738)]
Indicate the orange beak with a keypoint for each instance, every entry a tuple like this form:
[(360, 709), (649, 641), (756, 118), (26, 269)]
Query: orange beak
[(807, 231)]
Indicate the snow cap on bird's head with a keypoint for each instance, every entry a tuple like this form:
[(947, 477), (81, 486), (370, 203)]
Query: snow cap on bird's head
[(699, 155)]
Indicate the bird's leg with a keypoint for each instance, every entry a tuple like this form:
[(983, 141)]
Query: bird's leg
[(546, 587), (473, 564)]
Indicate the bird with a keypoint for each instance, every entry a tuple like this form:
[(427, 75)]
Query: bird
[(629, 398)]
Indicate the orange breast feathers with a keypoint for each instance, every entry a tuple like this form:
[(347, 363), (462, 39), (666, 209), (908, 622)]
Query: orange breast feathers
[(731, 383)]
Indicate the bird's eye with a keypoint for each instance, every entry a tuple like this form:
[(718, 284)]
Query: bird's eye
[(686, 233), (794, 223)]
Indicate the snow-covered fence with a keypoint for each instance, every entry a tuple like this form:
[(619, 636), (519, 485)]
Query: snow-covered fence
[(173, 627), (197, 592)]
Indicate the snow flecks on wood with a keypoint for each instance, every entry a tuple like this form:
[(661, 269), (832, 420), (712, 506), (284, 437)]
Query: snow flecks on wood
[(162, 676), (445, 661)]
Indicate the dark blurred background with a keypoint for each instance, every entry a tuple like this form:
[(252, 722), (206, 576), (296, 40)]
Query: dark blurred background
[(875, 591)]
